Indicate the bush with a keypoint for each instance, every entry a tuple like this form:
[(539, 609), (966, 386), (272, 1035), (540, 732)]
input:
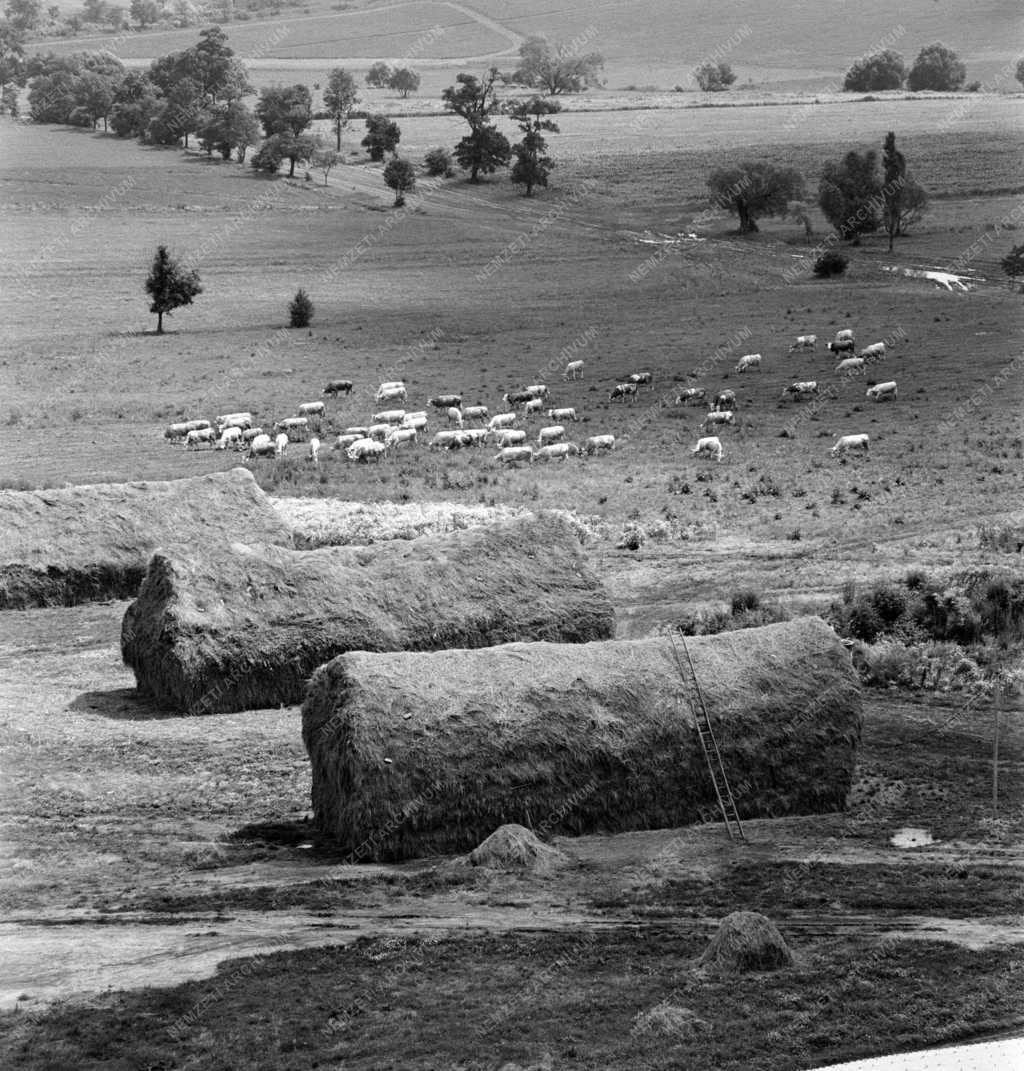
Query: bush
[(829, 264), (268, 157), (863, 621), (300, 310), (883, 70), (745, 599), (714, 77), (936, 68), (439, 162), (890, 603)]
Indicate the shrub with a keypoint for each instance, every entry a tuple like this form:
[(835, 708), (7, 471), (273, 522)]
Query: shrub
[(714, 77), (830, 263), (890, 603), (936, 68), (439, 162), (300, 310), (883, 70), (744, 599)]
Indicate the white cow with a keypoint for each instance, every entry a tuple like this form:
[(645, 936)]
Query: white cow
[(501, 420), (314, 451), (200, 435), (724, 400), (534, 405), (390, 392), (599, 442), (850, 442), (179, 431), (573, 370), (509, 437), (388, 416), (882, 391), (551, 434), (562, 414), (806, 388), (623, 390), (251, 433), (475, 412), (416, 421), (312, 410), (359, 432), (364, 449), (378, 431), (846, 335), (851, 366), (804, 342), (234, 420), (748, 361), (538, 390), (556, 452), (691, 396), (295, 427), (280, 444), (455, 415), (401, 435), (261, 446), (643, 379), (443, 440), (232, 435), (718, 418), (475, 436), (510, 455), (343, 442), (710, 446), (874, 352)]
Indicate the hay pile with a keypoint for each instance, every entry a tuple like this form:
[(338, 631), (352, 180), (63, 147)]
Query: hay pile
[(514, 847), (77, 544), (235, 627), (747, 941), (414, 754)]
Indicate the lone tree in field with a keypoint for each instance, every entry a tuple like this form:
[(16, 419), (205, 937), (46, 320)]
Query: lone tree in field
[(404, 81), (714, 77), (938, 68), (382, 135), (324, 159), (484, 148), (850, 195), (400, 175), (881, 70), (170, 286), (300, 309), (753, 189), (340, 98), (378, 76), (532, 166), (556, 68)]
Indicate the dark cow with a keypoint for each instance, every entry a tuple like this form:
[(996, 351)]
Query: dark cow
[(338, 386)]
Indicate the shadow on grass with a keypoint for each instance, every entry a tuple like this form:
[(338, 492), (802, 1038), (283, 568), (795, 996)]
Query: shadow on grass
[(122, 704)]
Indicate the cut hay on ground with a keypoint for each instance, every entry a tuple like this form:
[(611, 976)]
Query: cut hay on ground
[(76, 544), (514, 847), (747, 941), (230, 627), (414, 754)]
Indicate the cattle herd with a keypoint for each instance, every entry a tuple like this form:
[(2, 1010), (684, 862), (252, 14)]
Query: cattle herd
[(393, 428)]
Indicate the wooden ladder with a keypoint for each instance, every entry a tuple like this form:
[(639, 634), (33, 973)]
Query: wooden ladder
[(708, 743)]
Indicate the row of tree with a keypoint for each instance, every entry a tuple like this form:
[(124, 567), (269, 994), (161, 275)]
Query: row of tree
[(936, 67), (856, 197)]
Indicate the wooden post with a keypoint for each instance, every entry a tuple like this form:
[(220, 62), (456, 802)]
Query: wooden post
[(998, 702)]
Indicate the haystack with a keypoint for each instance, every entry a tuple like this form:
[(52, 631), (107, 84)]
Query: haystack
[(233, 627), (747, 941), (415, 754), (514, 847), (77, 544)]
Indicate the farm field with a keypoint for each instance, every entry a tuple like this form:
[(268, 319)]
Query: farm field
[(148, 851)]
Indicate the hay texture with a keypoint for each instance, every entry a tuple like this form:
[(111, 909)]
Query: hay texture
[(414, 754), (514, 847), (746, 941), (237, 627), (78, 544)]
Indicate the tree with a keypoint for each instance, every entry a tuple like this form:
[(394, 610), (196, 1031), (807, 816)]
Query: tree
[(170, 286), (1013, 263), (95, 96), (378, 76), (532, 167), (382, 135), (24, 16), (830, 263), (894, 169), (556, 69), (285, 109), (324, 159), (913, 205), (145, 12), (881, 70), (438, 162), (714, 77), (799, 211), (9, 101), (400, 175), (269, 155), (850, 195), (753, 189), (136, 102), (180, 115), (12, 56), (484, 148), (938, 68), (300, 309), (340, 98), (404, 81)]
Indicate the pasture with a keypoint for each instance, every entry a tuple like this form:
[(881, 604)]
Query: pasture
[(150, 849)]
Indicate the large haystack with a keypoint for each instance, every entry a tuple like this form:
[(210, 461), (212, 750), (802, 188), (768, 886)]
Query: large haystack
[(746, 941), (232, 627), (420, 753), (75, 544)]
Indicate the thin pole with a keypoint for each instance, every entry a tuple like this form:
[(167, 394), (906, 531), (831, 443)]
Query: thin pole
[(998, 698)]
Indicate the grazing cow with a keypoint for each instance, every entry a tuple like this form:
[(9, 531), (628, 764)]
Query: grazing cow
[(850, 366), (388, 416), (232, 435), (710, 446), (200, 435), (390, 393), (562, 414), (748, 361), (455, 416), (551, 434), (717, 418), (807, 388), (692, 396), (882, 391), (850, 442), (534, 405), (416, 421), (509, 437), (536, 390), (364, 449), (599, 442), (314, 451), (623, 390), (280, 444), (359, 432), (846, 345), (343, 442), (391, 384), (501, 420), (443, 440), (179, 431), (556, 452), (804, 342), (516, 397), (401, 435), (234, 420), (874, 352), (511, 455), (446, 401), (379, 432), (643, 379), (475, 412), (846, 335), (251, 433), (296, 427), (573, 370), (725, 399), (338, 386), (261, 446), (311, 410), (475, 436)]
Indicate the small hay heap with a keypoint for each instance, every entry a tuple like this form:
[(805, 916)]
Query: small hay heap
[(235, 627), (747, 941), (514, 847), (414, 754), (71, 545)]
